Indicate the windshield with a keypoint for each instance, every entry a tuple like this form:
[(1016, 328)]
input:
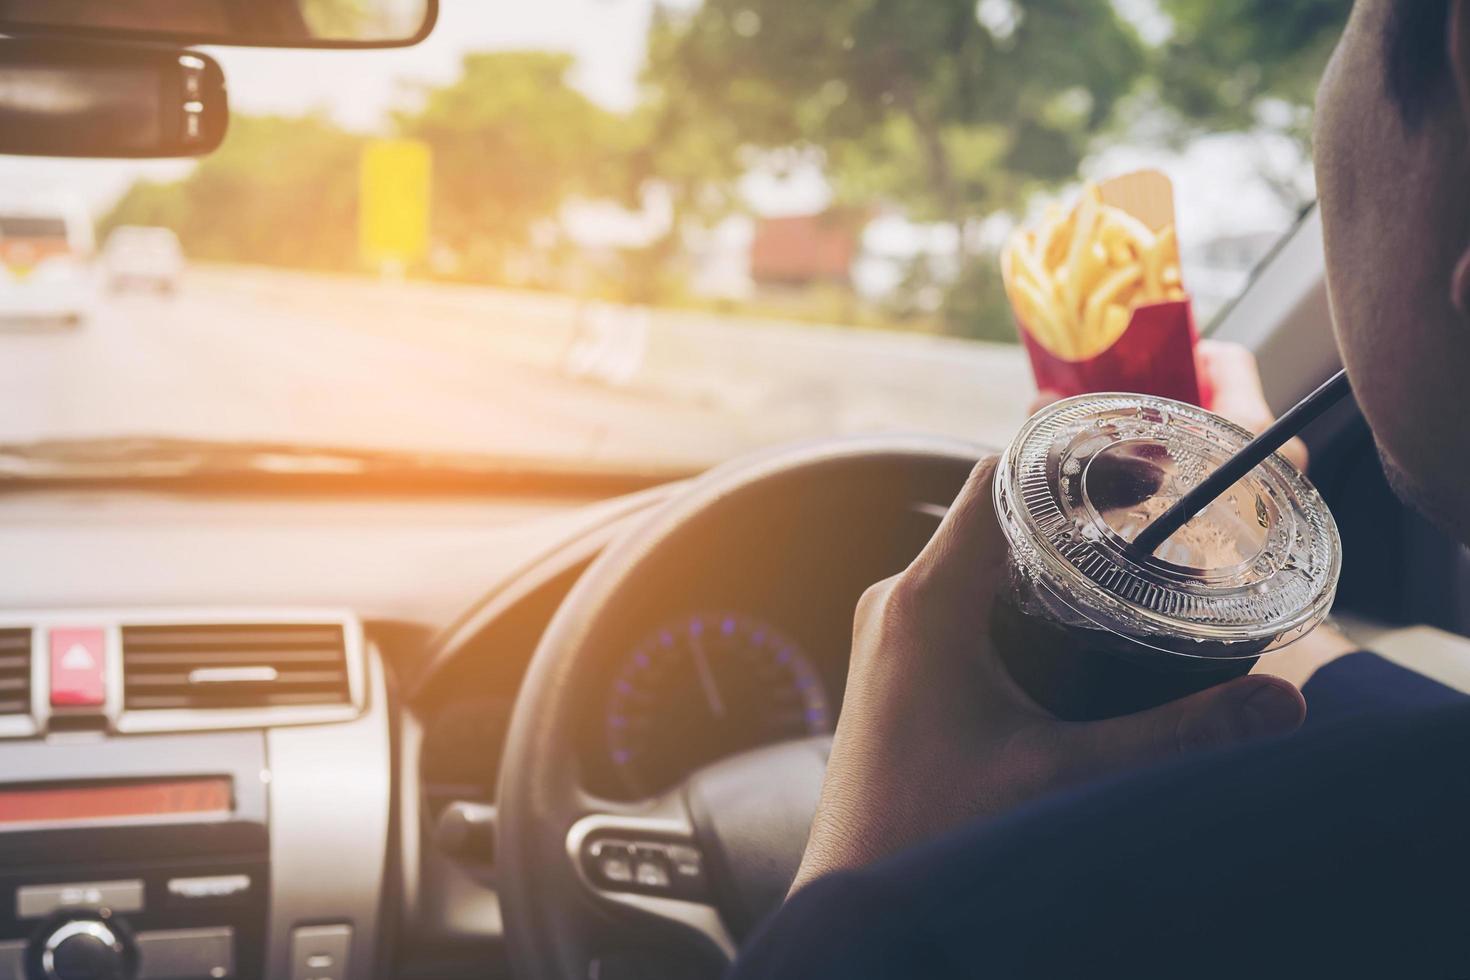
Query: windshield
[(627, 232)]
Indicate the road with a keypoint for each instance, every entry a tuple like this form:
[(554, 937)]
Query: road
[(249, 354)]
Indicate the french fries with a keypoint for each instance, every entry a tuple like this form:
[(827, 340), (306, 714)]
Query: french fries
[(1075, 279)]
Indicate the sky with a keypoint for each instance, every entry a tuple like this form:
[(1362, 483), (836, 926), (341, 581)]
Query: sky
[(1214, 179)]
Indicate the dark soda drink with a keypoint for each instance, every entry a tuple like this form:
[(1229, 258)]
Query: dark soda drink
[(1091, 629), (1084, 673)]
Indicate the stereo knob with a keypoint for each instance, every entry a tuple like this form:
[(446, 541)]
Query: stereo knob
[(87, 949)]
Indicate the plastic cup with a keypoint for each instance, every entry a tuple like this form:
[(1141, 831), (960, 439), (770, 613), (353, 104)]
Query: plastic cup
[(1089, 628)]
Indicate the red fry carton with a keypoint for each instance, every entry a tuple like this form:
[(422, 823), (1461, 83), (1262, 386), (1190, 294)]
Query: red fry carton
[(1154, 356), (1155, 353)]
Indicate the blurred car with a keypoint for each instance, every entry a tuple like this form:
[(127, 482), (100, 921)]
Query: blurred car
[(45, 258), (146, 258)]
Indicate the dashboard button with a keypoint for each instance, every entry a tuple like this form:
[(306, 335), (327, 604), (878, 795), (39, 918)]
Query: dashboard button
[(78, 668), (186, 954), (320, 952), (208, 888), (87, 949), (39, 901), (13, 960)]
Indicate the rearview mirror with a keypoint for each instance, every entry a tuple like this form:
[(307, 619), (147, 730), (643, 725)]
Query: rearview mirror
[(259, 23), (82, 100)]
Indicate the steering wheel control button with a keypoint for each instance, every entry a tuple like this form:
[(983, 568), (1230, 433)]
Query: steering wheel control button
[(320, 952), (612, 862), (78, 667), (651, 869), (211, 888), (39, 901), (687, 865), (186, 954), (646, 867)]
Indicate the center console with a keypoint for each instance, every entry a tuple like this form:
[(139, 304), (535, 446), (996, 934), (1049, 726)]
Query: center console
[(189, 796)]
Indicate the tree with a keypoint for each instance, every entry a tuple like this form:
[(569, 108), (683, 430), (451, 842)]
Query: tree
[(680, 144), (512, 141), (281, 191), (1225, 59), (1247, 66), (949, 108)]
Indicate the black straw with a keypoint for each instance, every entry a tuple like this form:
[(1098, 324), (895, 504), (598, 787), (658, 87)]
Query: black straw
[(1306, 411)]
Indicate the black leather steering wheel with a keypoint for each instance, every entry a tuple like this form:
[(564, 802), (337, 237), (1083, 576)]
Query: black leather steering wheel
[(732, 833)]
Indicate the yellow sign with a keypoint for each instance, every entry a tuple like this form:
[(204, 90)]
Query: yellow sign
[(393, 201)]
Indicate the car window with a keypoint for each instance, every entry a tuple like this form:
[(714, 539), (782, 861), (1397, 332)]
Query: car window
[(618, 232)]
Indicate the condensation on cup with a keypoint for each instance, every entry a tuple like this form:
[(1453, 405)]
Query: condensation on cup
[(1091, 629)]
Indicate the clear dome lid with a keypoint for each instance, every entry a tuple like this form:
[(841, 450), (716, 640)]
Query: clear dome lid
[(1253, 571)]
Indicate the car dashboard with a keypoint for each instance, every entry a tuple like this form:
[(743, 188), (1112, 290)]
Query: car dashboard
[(250, 737)]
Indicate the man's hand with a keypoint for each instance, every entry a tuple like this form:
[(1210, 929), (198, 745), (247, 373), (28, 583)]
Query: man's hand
[(934, 732)]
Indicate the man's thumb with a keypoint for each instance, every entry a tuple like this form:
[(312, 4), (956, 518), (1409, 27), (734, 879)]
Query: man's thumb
[(1250, 707)]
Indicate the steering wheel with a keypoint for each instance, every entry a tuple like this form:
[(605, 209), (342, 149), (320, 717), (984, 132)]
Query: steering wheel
[(571, 863)]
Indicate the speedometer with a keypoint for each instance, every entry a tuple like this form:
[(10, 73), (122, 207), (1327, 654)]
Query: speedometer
[(705, 686)]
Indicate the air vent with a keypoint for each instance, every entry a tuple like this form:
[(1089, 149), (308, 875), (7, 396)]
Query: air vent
[(15, 671), (254, 665)]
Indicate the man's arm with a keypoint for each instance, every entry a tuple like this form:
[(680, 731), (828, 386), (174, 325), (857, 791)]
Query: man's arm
[(934, 733), (1337, 852)]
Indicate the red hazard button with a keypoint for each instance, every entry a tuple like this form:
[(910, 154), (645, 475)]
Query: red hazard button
[(78, 674)]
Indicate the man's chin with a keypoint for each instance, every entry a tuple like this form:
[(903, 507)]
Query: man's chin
[(1447, 514)]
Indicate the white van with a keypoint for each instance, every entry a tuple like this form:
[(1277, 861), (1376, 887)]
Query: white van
[(45, 261)]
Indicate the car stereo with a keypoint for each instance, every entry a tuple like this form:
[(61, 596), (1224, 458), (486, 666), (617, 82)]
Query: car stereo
[(149, 859), (173, 787)]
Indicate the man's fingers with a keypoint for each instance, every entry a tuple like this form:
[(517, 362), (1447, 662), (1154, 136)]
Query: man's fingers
[(968, 550), (1251, 707)]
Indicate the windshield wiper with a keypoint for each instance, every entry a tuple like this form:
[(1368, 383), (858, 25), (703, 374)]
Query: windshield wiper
[(294, 468)]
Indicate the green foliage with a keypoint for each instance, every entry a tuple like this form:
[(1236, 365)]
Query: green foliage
[(683, 144), (687, 131), (948, 110), (918, 102), (345, 19), (281, 191), (972, 304), (511, 141), (1226, 58), (975, 305)]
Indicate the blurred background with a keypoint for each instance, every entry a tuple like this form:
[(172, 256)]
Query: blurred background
[(634, 230)]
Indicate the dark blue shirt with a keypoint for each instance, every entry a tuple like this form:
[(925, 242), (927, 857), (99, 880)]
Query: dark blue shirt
[(1343, 850)]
